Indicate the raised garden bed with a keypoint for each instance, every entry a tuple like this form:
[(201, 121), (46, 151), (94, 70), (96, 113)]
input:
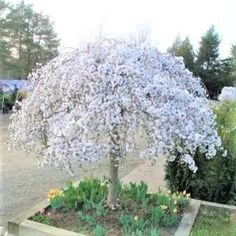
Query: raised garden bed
[(161, 213)]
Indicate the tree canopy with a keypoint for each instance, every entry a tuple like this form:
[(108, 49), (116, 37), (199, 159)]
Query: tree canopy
[(90, 104), (26, 38), (214, 72), (183, 49)]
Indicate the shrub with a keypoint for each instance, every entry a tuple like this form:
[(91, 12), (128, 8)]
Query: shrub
[(9, 99), (215, 179)]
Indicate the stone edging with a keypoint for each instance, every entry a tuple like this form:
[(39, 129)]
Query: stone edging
[(213, 204), (188, 219)]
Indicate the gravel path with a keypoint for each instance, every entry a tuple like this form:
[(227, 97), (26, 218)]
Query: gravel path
[(23, 184)]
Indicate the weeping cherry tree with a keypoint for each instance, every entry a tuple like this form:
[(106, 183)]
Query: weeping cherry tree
[(90, 103)]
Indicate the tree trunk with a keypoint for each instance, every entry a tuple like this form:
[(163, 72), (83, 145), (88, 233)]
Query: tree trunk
[(113, 183)]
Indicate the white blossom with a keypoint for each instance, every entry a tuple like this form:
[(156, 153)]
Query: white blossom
[(86, 104), (190, 162), (228, 93)]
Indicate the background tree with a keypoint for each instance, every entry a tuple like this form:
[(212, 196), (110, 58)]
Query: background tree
[(183, 49), (214, 72), (233, 56), (233, 51), (102, 98), (4, 50), (29, 38)]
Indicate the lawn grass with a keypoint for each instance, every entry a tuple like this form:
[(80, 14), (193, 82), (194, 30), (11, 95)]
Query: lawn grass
[(214, 222)]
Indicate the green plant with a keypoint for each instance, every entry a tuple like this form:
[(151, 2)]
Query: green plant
[(137, 192), (100, 209), (169, 219), (71, 196), (99, 230), (8, 100), (87, 218), (41, 218), (131, 224), (88, 194), (139, 212), (154, 232), (215, 179), (156, 215), (56, 203)]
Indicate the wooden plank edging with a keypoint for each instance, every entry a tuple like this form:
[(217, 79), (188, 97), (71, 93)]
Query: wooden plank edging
[(29, 228)]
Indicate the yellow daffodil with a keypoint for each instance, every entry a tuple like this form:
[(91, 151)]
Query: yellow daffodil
[(164, 207), (135, 218), (54, 192), (175, 210)]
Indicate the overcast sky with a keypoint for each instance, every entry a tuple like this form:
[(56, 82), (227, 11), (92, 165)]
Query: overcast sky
[(80, 20)]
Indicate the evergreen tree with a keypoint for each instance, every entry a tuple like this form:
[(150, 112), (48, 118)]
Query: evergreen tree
[(233, 51), (4, 51), (183, 49), (214, 72), (233, 56), (208, 53), (30, 38)]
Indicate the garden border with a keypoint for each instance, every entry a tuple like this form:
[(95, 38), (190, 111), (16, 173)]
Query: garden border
[(21, 226)]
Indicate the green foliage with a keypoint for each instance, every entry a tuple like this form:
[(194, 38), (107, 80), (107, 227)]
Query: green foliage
[(208, 52), (154, 232), (137, 192), (215, 73), (139, 212), (211, 222), (233, 51), (44, 219), (183, 49), (87, 218), (233, 58), (93, 190), (99, 231), (89, 194), (131, 224), (156, 215), (8, 99), (206, 64), (56, 203), (215, 179), (100, 209), (30, 35)]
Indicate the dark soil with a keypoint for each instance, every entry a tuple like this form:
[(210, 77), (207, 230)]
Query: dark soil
[(70, 220)]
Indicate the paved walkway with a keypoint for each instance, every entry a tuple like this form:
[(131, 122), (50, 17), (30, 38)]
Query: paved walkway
[(153, 175), (23, 184)]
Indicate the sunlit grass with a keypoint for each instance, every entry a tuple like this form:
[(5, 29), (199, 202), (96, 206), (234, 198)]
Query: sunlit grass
[(214, 222)]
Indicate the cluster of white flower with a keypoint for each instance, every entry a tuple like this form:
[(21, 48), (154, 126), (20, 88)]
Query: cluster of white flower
[(228, 93), (89, 103)]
